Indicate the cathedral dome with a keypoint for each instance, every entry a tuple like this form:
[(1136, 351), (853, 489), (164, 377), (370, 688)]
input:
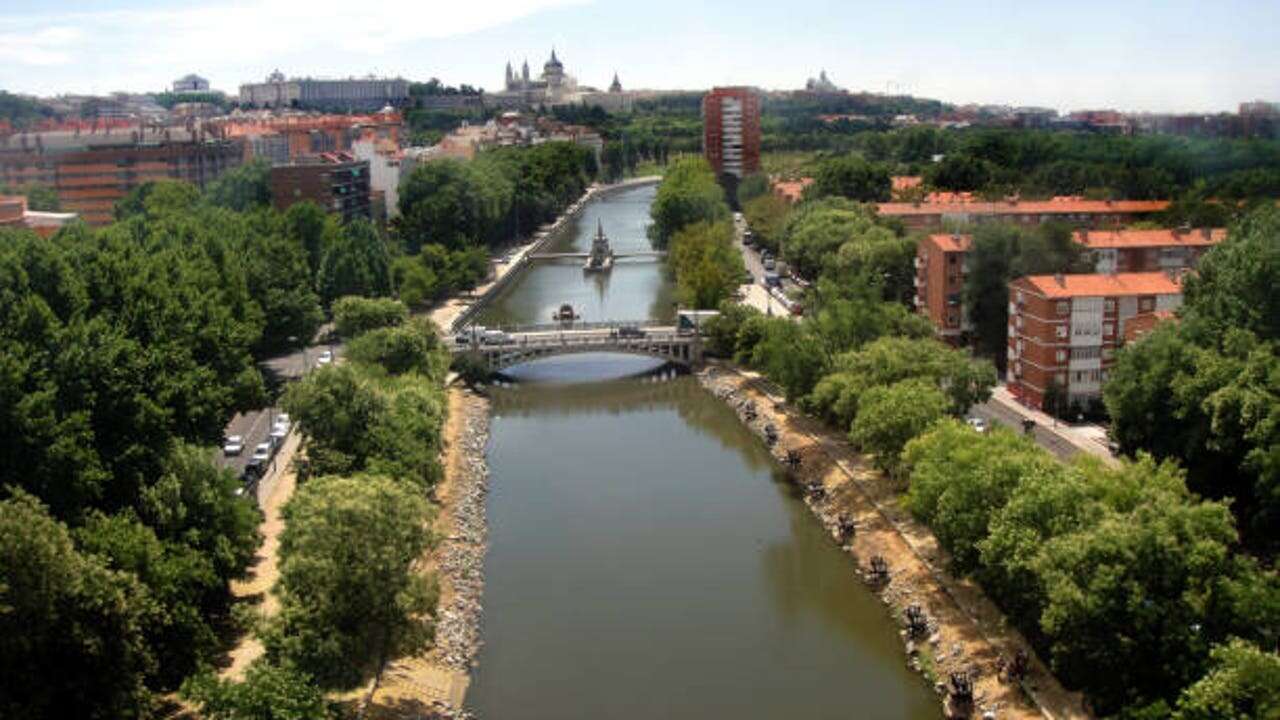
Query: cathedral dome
[(554, 63)]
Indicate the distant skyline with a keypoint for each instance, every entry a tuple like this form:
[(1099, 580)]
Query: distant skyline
[(1144, 55)]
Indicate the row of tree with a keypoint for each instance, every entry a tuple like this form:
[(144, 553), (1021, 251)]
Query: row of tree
[(1123, 580), (1132, 586), (691, 219), (1206, 389), (350, 591)]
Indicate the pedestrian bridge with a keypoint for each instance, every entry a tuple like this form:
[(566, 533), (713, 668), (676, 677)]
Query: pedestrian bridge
[(524, 344)]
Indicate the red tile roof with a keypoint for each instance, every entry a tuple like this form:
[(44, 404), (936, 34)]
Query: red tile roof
[(906, 182), (952, 242), (1101, 284), (791, 190), (1028, 207), (1097, 239)]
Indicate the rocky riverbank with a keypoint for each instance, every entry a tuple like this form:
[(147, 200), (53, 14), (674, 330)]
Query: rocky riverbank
[(952, 634), (435, 684)]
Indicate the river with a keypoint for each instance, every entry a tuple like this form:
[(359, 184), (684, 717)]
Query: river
[(647, 558)]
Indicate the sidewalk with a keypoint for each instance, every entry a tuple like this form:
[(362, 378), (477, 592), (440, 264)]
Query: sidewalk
[(1086, 438)]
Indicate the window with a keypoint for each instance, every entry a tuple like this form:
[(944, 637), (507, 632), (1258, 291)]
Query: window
[(1062, 331), (1064, 307), (1111, 305), (1062, 378), (1147, 304), (1062, 355), (1108, 329)]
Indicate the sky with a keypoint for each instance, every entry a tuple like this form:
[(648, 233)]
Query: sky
[(1133, 55)]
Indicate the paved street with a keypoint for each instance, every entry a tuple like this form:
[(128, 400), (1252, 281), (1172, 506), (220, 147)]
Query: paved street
[(1054, 435), (254, 426)]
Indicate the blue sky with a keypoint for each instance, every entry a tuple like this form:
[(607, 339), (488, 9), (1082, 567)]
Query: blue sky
[(1139, 55)]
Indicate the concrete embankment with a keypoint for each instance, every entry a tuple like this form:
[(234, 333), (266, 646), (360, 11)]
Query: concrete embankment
[(458, 312), (435, 684), (964, 632)]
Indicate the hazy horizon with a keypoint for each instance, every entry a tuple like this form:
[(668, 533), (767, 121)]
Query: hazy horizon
[(1145, 57)]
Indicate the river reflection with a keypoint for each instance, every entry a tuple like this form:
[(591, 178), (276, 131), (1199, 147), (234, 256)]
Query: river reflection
[(649, 560)]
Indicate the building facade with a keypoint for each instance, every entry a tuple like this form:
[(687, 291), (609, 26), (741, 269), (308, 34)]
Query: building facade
[(349, 94), (191, 84), (942, 262), (336, 182), (731, 130), (1074, 211), (1064, 330), (1125, 251), (91, 171)]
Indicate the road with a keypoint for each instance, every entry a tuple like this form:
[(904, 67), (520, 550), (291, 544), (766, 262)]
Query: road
[(994, 412), (756, 294), (254, 426)]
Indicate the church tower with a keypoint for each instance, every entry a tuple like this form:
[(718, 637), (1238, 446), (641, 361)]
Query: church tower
[(511, 76), (524, 73), (615, 86)]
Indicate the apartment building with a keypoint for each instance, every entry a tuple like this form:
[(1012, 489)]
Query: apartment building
[(336, 182), (1064, 329), (283, 138), (731, 130), (1074, 211), (942, 261), (91, 171), (1147, 250)]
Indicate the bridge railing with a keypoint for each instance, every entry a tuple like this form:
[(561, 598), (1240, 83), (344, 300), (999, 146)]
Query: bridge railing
[(576, 325)]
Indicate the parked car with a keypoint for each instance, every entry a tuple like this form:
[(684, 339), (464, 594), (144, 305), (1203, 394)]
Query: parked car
[(252, 471), (233, 446), (770, 265), (283, 418), (772, 280), (262, 452), (326, 357), (462, 338), (278, 434), (977, 423)]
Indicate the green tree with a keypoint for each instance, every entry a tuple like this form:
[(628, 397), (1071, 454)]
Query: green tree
[(334, 408), (247, 187), (355, 262), (852, 177), (350, 597), (442, 202), (753, 187), (268, 692), (410, 347), (71, 631), (959, 172), (706, 264), (688, 194), (354, 316), (1243, 683), (889, 417), (766, 215)]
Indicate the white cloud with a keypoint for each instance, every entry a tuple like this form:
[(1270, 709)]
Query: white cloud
[(133, 44), (41, 48)]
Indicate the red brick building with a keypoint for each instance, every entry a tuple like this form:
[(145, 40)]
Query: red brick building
[(336, 182), (1147, 250), (1064, 329), (1074, 211), (941, 265), (91, 171), (731, 130)]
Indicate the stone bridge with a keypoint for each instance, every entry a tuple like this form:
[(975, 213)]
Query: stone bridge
[(523, 344)]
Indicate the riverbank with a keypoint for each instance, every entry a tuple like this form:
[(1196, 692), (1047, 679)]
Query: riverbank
[(454, 311), (966, 633), (434, 685)]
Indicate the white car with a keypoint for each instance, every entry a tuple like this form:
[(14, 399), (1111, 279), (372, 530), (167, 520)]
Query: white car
[(279, 433), (262, 452), (233, 446), (283, 419), (978, 424), (326, 357)]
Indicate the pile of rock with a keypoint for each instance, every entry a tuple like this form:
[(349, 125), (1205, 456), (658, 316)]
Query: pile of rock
[(461, 559)]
